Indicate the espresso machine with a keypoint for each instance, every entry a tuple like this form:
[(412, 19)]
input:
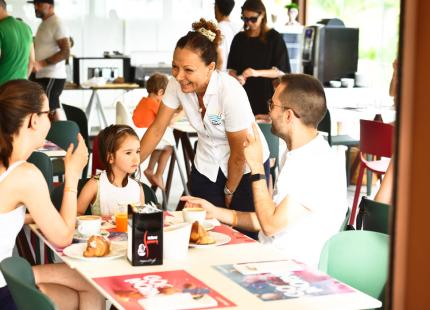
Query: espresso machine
[(330, 50)]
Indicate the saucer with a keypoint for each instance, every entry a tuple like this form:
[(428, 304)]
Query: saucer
[(77, 236)]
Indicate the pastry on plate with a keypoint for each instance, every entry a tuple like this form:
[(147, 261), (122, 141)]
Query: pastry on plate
[(199, 235), (97, 246)]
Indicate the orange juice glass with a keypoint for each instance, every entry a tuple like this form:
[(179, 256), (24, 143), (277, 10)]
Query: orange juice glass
[(121, 218)]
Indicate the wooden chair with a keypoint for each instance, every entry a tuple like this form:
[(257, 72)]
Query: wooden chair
[(376, 139)]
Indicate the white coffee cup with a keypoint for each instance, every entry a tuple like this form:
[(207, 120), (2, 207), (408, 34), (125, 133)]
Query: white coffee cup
[(194, 214), (347, 82), (176, 239), (89, 225)]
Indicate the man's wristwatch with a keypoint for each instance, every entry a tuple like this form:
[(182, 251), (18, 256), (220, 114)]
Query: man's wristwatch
[(257, 177), (227, 191)]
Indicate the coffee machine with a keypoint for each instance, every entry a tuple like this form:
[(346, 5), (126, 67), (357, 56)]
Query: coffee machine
[(330, 50)]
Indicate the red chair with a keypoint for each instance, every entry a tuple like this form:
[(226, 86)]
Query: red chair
[(376, 138), (96, 162)]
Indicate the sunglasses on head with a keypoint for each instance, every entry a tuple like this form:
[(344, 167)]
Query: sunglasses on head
[(252, 19), (51, 114)]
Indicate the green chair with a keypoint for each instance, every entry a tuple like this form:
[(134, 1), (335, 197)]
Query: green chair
[(372, 215), (20, 281), (149, 193), (57, 194), (43, 162), (62, 133), (359, 259), (273, 143)]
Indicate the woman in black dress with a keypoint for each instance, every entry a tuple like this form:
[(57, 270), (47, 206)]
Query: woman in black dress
[(257, 56)]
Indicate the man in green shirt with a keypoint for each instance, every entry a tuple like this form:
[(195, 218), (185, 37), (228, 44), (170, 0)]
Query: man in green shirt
[(16, 47)]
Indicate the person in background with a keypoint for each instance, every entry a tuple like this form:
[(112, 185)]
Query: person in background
[(120, 153), (293, 12), (16, 47), (218, 109), (309, 202), (52, 48), (143, 116), (385, 191), (223, 9), (24, 124), (257, 56)]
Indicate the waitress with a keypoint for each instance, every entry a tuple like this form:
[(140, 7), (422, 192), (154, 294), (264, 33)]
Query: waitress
[(218, 108)]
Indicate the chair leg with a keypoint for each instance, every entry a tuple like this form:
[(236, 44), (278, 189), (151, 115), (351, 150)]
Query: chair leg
[(356, 195)]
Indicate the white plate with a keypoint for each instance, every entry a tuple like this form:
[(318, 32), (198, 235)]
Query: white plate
[(220, 239), (76, 250), (79, 237)]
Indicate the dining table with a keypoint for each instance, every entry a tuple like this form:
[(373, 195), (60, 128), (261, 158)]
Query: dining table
[(239, 273)]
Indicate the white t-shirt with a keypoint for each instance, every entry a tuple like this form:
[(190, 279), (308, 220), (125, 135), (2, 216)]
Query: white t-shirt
[(227, 110), (312, 176), (228, 31), (45, 45)]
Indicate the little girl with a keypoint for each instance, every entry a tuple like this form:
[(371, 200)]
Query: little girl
[(119, 148)]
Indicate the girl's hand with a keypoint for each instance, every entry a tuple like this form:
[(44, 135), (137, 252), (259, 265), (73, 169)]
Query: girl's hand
[(194, 202), (75, 161)]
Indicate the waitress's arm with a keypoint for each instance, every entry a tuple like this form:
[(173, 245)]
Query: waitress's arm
[(272, 73), (236, 161), (155, 132)]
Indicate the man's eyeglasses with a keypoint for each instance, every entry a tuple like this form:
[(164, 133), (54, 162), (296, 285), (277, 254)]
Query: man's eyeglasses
[(252, 19), (271, 105)]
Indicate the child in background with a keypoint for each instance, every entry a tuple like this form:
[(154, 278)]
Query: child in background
[(119, 148), (143, 116)]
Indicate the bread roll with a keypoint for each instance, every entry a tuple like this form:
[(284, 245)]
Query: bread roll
[(97, 246)]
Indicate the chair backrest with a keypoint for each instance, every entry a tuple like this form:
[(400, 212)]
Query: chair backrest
[(43, 162), (376, 138), (20, 281), (271, 139), (58, 191), (96, 161), (149, 193), (123, 116), (359, 259), (373, 215), (62, 133), (325, 126), (80, 118)]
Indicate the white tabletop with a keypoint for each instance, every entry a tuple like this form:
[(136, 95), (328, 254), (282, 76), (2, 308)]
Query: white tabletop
[(200, 264)]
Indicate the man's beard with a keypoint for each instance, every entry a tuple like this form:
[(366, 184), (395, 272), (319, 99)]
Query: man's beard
[(38, 14)]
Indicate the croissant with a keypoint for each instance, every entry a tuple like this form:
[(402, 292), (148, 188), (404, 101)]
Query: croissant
[(97, 246), (199, 235)]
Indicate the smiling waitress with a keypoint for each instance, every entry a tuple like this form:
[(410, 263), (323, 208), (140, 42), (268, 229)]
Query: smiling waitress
[(218, 108)]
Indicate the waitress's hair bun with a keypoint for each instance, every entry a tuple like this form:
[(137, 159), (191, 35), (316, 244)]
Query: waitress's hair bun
[(204, 40), (208, 29)]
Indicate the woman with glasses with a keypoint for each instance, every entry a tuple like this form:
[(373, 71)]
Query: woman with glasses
[(257, 56), (24, 124), (217, 107)]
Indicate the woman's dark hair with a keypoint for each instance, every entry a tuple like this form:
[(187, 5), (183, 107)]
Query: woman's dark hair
[(18, 98), (110, 140), (258, 7), (201, 43)]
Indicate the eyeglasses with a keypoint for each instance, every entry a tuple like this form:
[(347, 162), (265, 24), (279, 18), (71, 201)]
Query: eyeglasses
[(271, 105), (252, 19), (51, 114)]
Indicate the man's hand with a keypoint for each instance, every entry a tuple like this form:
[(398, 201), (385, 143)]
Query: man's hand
[(38, 65), (253, 149), (228, 199)]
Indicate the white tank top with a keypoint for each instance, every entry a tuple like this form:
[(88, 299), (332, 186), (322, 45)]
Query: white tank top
[(11, 223), (109, 195)]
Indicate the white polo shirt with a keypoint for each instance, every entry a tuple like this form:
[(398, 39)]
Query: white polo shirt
[(227, 110), (45, 45), (312, 176)]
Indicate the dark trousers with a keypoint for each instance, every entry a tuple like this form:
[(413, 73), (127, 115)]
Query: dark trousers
[(201, 186), (6, 300)]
